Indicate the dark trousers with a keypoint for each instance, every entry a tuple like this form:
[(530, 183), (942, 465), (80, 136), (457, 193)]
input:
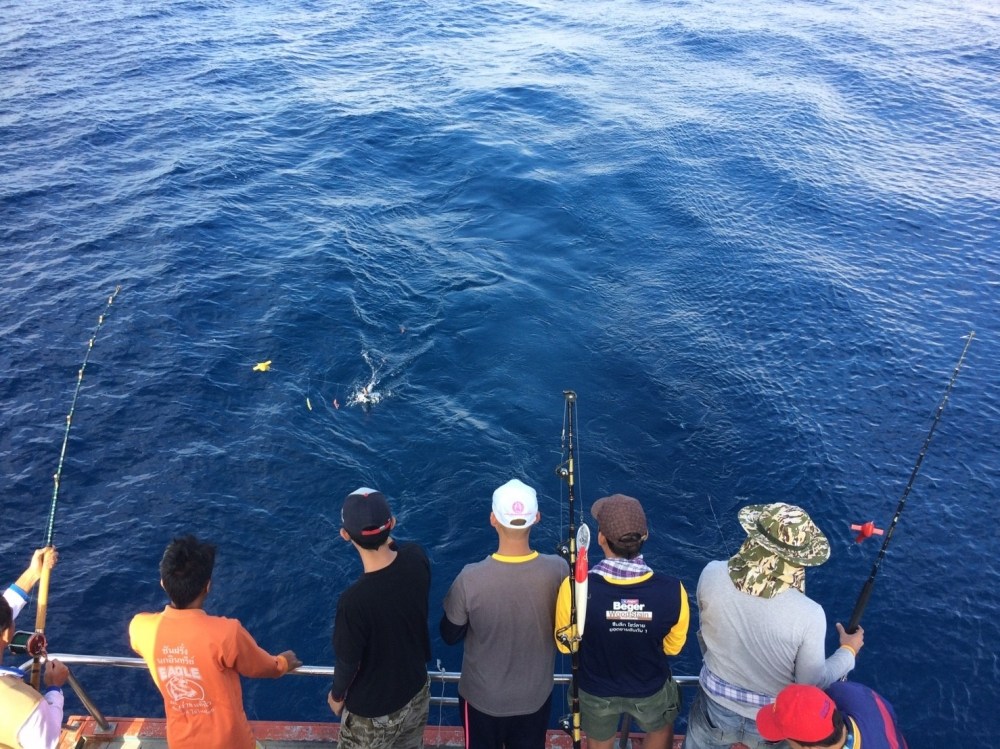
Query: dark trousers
[(484, 731)]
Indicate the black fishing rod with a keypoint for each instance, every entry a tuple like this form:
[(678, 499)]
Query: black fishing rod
[(866, 591), (43, 583), (569, 636)]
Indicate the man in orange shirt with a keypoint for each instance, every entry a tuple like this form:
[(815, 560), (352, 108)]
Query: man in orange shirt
[(196, 659)]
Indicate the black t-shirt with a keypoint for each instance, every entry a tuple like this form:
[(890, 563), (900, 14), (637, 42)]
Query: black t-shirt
[(380, 637)]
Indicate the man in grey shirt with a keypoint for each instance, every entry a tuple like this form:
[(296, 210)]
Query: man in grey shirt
[(504, 609), (759, 631)]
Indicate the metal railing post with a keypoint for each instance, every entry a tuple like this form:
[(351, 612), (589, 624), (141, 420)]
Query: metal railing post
[(88, 703)]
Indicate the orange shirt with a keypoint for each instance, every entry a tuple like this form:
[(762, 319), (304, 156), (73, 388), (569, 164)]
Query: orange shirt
[(196, 661)]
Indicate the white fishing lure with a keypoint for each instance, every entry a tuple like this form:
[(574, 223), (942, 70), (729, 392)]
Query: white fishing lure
[(580, 576)]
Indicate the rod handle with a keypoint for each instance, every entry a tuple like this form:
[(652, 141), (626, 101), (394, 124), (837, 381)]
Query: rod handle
[(41, 611), (859, 607)]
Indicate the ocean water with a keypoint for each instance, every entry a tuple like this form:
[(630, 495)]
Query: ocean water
[(750, 235)]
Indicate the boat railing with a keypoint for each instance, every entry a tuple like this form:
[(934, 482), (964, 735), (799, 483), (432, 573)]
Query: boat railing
[(114, 661)]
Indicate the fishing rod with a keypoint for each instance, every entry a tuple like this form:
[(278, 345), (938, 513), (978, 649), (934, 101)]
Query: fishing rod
[(866, 591), (43, 583), (575, 550)]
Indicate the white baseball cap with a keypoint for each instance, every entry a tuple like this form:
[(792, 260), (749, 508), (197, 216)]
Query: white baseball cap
[(515, 504)]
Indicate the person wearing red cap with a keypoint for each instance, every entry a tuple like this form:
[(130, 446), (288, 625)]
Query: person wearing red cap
[(636, 619), (380, 636), (847, 714)]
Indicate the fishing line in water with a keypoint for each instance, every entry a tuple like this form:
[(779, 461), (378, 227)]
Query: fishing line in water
[(367, 395), (69, 417), (364, 395), (719, 526)]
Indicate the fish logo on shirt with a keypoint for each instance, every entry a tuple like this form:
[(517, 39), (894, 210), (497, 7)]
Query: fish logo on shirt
[(181, 688)]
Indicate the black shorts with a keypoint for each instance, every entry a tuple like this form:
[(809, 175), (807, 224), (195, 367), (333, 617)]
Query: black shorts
[(484, 731)]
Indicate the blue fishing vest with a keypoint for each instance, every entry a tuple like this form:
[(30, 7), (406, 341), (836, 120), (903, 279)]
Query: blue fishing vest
[(621, 654)]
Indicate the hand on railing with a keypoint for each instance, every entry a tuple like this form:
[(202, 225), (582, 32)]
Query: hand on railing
[(292, 660), (56, 674)]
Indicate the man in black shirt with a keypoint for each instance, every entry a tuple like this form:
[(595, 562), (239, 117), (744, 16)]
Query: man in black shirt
[(380, 636)]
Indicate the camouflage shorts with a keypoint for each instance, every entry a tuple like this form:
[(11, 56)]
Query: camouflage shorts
[(402, 729)]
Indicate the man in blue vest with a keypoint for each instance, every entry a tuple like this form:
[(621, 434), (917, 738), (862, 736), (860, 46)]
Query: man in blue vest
[(28, 720), (635, 619), (847, 714)]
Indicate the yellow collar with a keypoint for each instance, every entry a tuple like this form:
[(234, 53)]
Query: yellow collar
[(515, 560)]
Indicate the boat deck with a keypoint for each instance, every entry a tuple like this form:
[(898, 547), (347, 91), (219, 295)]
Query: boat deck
[(83, 732)]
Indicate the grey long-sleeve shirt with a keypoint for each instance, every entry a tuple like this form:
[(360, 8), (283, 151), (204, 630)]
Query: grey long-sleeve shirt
[(763, 644)]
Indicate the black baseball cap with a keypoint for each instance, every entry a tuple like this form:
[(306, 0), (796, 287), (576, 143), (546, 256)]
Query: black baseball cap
[(366, 514)]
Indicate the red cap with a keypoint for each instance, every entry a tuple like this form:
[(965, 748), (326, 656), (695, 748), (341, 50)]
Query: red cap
[(801, 712)]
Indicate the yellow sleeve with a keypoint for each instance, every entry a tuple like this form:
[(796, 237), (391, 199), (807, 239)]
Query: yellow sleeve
[(677, 635), (562, 613)]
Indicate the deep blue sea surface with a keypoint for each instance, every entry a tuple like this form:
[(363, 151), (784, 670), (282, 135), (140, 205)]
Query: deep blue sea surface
[(751, 235)]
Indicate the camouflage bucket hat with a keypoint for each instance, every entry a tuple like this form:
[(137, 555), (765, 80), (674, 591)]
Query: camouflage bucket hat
[(759, 572), (786, 531)]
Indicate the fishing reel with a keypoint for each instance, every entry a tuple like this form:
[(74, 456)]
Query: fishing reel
[(565, 723), (562, 549), (29, 643), (563, 636)]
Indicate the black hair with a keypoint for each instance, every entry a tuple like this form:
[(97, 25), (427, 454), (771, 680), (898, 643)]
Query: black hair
[(835, 738), (628, 546), (186, 568), (6, 614)]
